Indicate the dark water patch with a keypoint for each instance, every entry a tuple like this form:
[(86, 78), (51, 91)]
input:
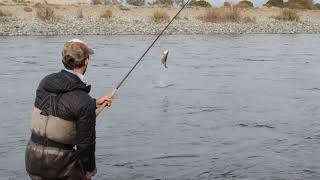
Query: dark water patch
[(256, 60), (251, 157), (204, 174), (173, 165), (228, 143), (177, 156), (228, 174), (189, 124), (263, 126), (193, 89), (195, 143), (255, 125), (126, 164), (313, 89), (29, 57), (30, 62), (308, 171), (317, 136)]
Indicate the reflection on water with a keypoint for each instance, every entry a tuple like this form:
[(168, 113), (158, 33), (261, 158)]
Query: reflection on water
[(229, 107)]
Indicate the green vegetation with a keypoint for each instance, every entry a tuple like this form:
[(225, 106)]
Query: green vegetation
[(299, 4), (136, 2), (200, 3), (3, 17), (47, 14), (287, 15), (160, 16), (293, 4), (226, 4), (274, 3), (317, 6), (107, 14), (245, 4), (123, 8), (20, 1), (164, 2), (96, 2), (217, 15)]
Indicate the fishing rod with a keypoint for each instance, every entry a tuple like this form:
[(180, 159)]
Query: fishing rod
[(99, 110)]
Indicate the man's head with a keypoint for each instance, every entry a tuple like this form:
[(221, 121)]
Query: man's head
[(75, 54)]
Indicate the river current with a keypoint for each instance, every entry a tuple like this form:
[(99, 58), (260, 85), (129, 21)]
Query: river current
[(227, 107)]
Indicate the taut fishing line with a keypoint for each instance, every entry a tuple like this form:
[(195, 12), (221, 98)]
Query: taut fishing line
[(99, 110)]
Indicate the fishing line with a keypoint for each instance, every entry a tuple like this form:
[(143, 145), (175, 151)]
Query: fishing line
[(99, 110)]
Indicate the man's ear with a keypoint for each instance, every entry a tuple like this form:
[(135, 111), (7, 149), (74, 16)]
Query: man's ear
[(86, 61)]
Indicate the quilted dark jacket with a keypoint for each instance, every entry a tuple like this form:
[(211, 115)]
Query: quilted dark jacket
[(62, 144)]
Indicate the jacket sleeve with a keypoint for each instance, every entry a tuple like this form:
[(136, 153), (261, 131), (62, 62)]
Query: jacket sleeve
[(86, 137)]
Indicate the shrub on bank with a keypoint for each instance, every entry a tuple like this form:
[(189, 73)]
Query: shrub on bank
[(20, 1), (80, 14), (27, 9), (164, 2), (245, 4), (5, 13), (107, 14), (218, 15), (274, 3), (96, 2), (317, 6), (123, 8), (2, 14), (287, 15), (200, 3), (226, 4), (46, 13), (299, 4), (136, 2), (160, 16)]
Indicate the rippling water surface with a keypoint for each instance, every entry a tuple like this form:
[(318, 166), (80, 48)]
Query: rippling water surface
[(228, 107)]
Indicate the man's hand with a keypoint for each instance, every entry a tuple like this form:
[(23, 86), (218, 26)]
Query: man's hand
[(89, 175), (103, 101)]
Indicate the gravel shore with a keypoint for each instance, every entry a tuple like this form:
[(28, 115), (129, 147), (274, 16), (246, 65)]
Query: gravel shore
[(138, 20)]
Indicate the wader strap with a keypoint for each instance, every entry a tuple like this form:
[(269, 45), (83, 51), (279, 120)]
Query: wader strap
[(51, 99), (44, 102), (47, 142)]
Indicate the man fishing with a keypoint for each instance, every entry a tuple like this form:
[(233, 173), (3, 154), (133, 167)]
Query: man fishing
[(62, 144)]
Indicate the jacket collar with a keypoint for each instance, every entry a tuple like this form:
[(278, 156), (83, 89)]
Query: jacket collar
[(80, 76), (76, 79)]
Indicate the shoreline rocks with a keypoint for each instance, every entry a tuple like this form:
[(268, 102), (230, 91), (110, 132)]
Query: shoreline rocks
[(126, 24)]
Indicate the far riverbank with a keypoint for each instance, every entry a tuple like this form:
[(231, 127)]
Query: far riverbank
[(18, 20)]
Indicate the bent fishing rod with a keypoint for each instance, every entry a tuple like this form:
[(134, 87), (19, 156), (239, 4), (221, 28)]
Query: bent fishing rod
[(99, 110)]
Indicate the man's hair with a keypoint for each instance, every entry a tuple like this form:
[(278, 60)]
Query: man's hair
[(70, 63)]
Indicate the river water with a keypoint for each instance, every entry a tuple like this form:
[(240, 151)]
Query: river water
[(227, 107)]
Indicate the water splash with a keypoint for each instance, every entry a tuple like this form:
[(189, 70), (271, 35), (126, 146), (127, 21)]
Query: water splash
[(163, 84)]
